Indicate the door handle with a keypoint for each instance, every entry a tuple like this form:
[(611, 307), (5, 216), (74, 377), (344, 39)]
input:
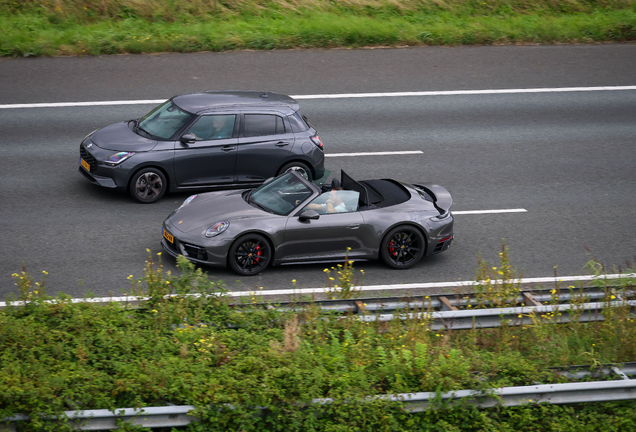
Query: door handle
[(353, 226), (281, 144), (228, 148)]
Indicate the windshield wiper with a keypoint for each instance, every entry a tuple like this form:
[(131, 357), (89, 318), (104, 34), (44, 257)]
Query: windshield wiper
[(144, 131), (260, 206)]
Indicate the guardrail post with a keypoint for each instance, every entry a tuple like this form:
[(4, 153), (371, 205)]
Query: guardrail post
[(529, 299), (446, 304)]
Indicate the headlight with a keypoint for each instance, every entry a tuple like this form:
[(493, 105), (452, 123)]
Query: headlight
[(217, 229), (187, 201), (118, 158)]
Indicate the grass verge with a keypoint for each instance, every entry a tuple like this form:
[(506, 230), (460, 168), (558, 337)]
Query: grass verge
[(200, 350), (83, 28)]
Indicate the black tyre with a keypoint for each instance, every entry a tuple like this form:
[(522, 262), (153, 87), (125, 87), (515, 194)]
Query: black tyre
[(299, 167), (402, 247), (148, 185), (250, 254)]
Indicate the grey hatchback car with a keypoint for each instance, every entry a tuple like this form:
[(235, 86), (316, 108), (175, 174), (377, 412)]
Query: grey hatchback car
[(206, 140)]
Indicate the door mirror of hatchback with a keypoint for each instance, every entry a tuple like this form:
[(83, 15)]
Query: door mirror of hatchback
[(188, 138), (308, 215)]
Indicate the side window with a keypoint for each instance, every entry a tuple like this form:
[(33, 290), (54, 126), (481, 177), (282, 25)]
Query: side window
[(335, 201), (263, 124), (210, 127)]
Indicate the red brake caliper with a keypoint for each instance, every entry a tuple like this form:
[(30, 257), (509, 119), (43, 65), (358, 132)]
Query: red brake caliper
[(258, 252), (392, 249)]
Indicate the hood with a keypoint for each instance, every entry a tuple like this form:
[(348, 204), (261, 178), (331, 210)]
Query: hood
[(120, 137), (212, 207)]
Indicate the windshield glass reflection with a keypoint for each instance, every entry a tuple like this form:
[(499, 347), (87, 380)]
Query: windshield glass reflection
[(281, 195), (164, 121)]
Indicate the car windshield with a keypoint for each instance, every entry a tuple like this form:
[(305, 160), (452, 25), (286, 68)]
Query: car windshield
[(281, 195), (164, 121)]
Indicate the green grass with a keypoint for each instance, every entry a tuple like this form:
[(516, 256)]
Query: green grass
[(58, 355), (64, 27)]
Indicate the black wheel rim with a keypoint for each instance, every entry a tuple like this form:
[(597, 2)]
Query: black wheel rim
[(148, 186), (251, 256), (404, 247)]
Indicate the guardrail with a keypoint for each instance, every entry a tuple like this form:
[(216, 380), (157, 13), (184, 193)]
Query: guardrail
[(445, 302), (584, 392)]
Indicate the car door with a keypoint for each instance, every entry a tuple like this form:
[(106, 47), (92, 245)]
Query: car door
[(264, 144), (327, 237), (211, 159)]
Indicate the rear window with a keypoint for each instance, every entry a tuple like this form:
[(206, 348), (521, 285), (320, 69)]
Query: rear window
[(298, 123), (263, 124)]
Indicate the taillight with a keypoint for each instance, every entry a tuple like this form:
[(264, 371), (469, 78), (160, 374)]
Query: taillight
[(316, 140)]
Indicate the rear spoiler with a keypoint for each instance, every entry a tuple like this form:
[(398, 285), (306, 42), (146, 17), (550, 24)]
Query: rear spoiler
[(442, 199)]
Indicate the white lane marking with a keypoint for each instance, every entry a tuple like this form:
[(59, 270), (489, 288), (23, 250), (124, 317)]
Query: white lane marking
[(471, 212), (547, 280), (393, 287), (83, 104), (342, 96), (387, 153), (465, 92)]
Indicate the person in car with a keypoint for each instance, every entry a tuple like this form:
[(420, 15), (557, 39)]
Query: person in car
[(221, 127), (334, 202)]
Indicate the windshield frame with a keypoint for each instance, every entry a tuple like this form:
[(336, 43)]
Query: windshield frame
[(146, 126), (277, 186)]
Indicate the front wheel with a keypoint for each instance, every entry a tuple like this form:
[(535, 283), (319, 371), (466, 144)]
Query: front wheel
[(299, 167), (402, 247), (148, 185), (250, 254)]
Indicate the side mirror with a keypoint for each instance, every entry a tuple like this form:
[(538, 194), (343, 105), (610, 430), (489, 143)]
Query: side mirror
[(188, 139), (308, 215)]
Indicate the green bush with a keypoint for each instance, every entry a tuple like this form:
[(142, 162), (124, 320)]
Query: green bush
[(181, 342)]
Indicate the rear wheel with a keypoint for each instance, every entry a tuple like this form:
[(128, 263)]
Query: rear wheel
[(402, 247), (250, 254), (299, 167), (148, 185)]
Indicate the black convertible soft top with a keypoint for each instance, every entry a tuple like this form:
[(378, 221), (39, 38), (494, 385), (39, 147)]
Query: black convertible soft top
[(376, 193)]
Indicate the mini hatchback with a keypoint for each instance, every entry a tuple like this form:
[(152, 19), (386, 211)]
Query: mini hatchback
[(207, 140)]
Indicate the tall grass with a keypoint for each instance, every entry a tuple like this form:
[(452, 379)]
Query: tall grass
[(91, 27)]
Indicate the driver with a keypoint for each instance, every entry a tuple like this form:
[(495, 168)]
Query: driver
[(333, 204), (221, 127)]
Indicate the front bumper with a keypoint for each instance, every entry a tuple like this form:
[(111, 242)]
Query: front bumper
[(100, 174), (213, 253), (98, 180)]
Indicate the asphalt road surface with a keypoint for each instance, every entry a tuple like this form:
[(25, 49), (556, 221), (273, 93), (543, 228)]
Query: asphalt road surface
[(568, 158)]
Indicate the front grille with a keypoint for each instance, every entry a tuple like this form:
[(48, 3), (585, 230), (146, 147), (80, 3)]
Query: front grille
[(195, 251), (88, 158)]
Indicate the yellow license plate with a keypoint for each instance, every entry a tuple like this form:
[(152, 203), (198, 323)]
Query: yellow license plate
[(168, 236), (85, 164)]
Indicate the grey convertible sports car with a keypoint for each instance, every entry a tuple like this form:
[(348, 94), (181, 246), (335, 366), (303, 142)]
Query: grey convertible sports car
[(290, 220)]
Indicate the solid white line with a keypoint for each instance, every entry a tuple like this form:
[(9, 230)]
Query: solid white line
[(343, 96), (387, 153), (471, 212), (465, 92), (83, 104), (392, 287)]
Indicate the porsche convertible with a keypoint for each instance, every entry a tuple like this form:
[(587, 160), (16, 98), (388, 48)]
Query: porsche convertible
[(290, 220)]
